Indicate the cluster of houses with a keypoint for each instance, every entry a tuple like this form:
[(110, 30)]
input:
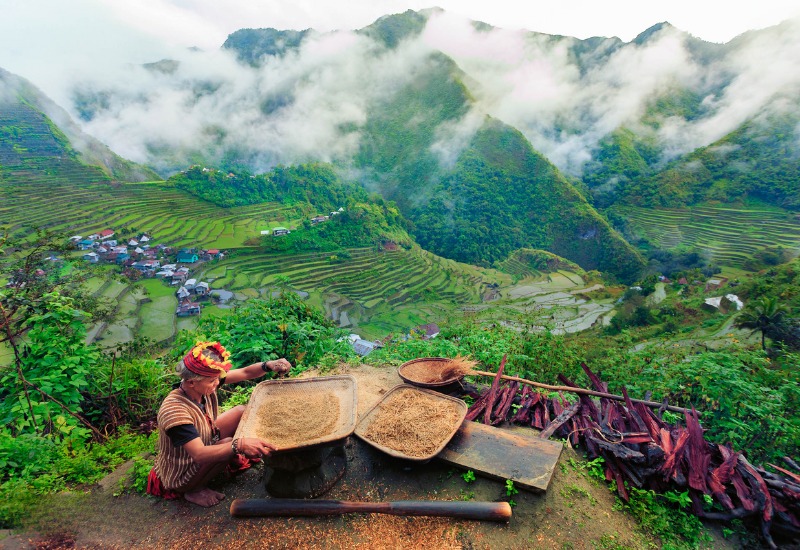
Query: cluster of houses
[(139, 255), (726, 303), (103, 247), (278, 231)]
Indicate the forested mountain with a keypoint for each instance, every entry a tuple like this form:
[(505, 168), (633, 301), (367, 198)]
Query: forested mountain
[(488, 140), (758, 160)]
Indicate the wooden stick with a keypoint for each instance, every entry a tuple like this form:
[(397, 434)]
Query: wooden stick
[(652, 404), (260, 507)]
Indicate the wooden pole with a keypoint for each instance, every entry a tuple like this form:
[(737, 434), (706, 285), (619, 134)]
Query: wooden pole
[(263, 507), (651, 404)]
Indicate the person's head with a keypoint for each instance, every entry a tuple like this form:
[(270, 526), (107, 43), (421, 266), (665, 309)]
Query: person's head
[(203, 366)]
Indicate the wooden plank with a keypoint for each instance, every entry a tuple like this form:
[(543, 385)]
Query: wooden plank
[(518, 454)]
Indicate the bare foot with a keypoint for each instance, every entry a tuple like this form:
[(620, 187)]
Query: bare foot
[(204, 497)]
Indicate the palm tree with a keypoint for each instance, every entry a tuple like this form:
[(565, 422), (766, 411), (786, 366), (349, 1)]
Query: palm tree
[(762, 315)]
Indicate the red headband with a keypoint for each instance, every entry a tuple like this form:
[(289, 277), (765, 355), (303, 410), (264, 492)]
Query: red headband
[(199, 363)]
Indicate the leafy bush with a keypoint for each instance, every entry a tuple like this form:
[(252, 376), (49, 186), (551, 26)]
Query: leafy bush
[(741, 396), (259, 330)]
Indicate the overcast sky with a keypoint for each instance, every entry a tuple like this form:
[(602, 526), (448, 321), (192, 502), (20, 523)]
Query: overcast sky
[(43, 39)]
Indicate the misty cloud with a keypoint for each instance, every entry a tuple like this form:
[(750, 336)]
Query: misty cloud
[(310, 104)]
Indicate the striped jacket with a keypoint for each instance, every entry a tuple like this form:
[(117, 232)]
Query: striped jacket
[(173, 464)]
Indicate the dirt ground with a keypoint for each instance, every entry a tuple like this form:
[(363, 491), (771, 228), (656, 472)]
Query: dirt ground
[(576, 512)]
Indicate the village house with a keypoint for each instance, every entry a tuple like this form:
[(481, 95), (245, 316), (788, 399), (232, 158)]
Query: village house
[(92, 257), (319, 219), (190, 284), (280, 231), (106, 234), (86, 244), (715, 283), (723, 304), (146, 266), (213, 254), (187, 256), (201, 289), (427, 332), (178, 278), (186, 309), (183, 293), (364, 347)]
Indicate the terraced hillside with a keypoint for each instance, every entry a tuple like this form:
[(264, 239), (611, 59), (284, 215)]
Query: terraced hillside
[(378, 290), (78, 200), (728, 236)]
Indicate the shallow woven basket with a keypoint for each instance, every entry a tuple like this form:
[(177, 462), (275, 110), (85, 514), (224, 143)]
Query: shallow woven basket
[(365, 420), (415, 371), (343, 387)]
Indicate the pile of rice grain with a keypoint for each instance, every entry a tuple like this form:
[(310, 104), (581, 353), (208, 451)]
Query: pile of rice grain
[(291, 419), (413, 423)]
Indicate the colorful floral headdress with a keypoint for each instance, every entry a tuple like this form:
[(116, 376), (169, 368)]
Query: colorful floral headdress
[(206, 365)]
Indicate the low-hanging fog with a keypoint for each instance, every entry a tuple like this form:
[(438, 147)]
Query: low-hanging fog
[(310, 103)]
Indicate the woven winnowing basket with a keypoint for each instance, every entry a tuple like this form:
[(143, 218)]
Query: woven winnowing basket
[(343, 388), (457, 406), (412, 371)]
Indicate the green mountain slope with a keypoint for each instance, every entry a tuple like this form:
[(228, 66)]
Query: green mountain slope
[(477, 204), (758, 160), (503, 196), (35, 132)]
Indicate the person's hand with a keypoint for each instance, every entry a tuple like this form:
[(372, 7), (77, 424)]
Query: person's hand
[(255, 447), (279, 366)]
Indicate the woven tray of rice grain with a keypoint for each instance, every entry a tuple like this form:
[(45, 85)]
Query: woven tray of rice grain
[(434, 372), (412, 423), (301, 412)]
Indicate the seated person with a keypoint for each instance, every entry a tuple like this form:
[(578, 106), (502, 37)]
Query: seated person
[(195, 442)]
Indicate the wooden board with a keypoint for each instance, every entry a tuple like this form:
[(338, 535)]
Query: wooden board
[(499, 453)]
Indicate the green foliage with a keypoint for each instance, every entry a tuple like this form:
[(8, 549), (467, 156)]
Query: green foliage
[(503, 196), (264, 329), (677, 529), (755, 161), (533, 354), (315, 185), (31, 466), (55, 362), (762, 316), (510, 489), (742, 398), (359, 225), (468, 476)]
